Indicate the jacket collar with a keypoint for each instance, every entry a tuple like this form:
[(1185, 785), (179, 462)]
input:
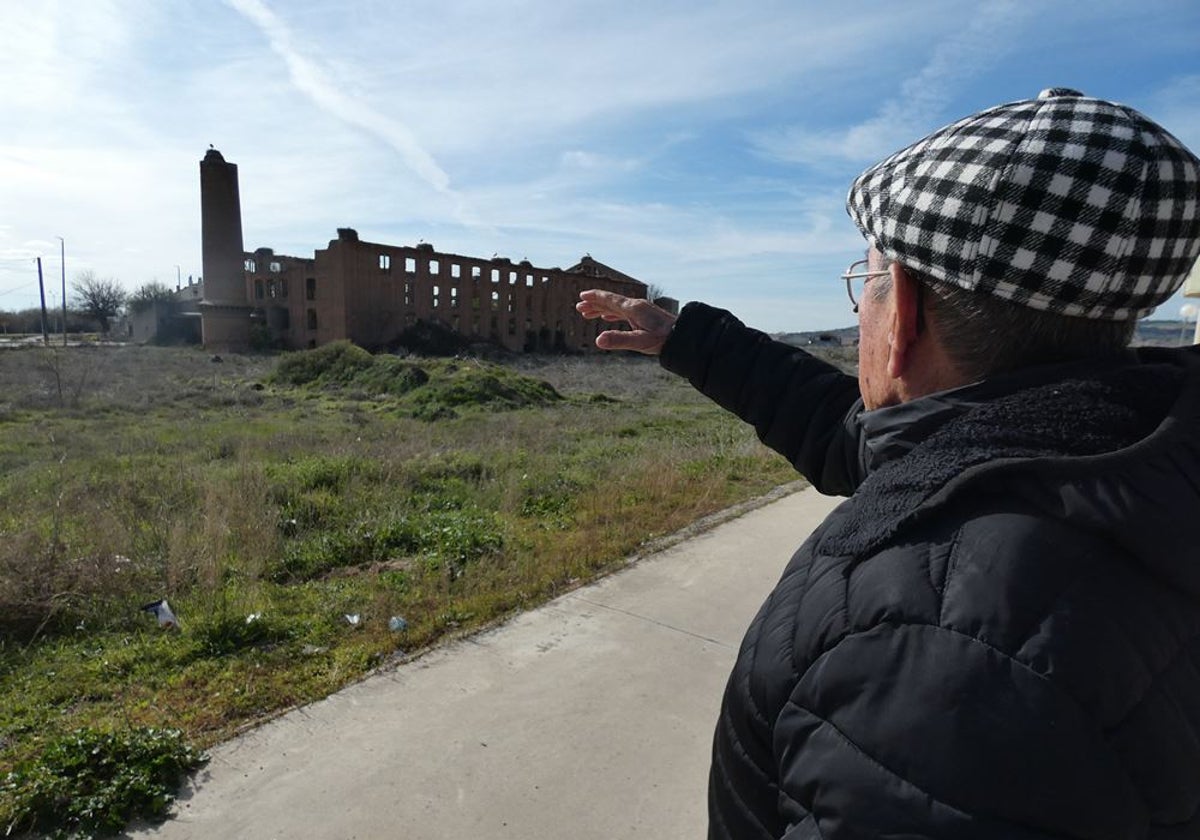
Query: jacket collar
[(889, 433), (1038, 421)]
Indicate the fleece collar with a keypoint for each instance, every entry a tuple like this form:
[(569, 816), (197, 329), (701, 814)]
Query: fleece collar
[(1113, 407), (889, 433)]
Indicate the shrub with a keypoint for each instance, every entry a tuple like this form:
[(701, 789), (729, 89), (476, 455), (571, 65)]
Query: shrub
[(89, 782), (344, 365), (334, 364), (479, 385), (434, 394), (392, 375)]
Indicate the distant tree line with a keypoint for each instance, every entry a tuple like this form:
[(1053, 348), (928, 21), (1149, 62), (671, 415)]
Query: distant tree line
[(30, 321), (93, 303)]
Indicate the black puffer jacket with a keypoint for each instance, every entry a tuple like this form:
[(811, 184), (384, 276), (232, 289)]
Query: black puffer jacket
[(998, 635)]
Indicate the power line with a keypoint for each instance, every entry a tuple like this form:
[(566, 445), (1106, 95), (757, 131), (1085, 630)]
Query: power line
[(15, 289)]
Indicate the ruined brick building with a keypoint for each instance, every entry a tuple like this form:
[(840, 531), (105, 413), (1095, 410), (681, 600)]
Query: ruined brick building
[(370, 293)]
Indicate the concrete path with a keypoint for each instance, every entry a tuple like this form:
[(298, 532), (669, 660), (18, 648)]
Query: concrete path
[(590, 717)]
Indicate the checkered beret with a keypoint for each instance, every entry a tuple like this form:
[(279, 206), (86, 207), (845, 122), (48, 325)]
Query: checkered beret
[(1063, 203)]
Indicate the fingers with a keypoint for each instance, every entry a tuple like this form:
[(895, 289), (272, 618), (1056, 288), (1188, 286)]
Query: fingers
[(597, 303), (591, 313), (650, 325), (639, 312), (638, 341)]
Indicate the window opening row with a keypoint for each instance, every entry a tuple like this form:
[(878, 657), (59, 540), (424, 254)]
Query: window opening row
[(435, 267), (252, 267)]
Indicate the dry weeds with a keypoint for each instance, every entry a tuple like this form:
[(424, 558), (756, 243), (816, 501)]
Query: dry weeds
[(133, 474)]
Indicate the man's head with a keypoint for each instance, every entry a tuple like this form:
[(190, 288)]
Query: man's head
[(1033, 232)]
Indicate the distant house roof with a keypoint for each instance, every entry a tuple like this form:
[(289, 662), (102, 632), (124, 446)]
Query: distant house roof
[(595, 268)]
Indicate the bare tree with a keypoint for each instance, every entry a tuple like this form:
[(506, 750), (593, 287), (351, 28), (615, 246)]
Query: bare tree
[(100, 298), (654, 292), (147, 295)]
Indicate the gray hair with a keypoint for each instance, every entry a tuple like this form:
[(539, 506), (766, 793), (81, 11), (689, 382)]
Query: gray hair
[(985, 335)]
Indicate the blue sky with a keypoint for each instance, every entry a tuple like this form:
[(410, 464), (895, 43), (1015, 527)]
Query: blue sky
[(703, 147)]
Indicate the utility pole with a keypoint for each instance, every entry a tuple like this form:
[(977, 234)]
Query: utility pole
[(63, 262), (42, 291)]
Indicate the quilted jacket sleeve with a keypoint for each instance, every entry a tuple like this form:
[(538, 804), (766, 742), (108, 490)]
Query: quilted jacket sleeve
[(801, 407)]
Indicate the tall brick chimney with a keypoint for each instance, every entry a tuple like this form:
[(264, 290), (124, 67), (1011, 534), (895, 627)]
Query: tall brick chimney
[(224, 311)]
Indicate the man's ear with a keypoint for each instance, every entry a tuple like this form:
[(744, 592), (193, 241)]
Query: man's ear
[(904, 329)]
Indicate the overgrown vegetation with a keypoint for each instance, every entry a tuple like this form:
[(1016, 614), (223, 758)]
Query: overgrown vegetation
[(454, 385), (86, 782), (289, 508)]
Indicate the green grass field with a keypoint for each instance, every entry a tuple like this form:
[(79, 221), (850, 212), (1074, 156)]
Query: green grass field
[(268, 498)]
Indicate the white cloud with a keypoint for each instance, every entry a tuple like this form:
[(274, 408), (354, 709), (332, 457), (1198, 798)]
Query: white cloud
[(502, 78), (315, 82), (528, 128), (919, 105), (579, 160)]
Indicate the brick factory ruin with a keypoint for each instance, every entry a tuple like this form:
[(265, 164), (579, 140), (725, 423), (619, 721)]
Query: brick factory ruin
[(371, 293)]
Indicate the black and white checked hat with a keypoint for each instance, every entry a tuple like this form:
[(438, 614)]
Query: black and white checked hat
[(1063, 203)]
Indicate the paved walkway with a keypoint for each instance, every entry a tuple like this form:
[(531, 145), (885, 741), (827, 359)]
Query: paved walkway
[(590, 717)]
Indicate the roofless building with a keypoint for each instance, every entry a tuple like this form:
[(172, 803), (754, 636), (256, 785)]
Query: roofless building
[(371, 293)]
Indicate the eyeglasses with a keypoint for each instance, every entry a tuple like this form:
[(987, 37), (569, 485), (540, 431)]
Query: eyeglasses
[(856, 275)]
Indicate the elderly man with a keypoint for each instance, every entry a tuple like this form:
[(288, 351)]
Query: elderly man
[(998, 634)]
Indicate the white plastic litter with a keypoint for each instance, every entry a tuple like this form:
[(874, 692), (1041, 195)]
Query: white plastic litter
[(163, 612)]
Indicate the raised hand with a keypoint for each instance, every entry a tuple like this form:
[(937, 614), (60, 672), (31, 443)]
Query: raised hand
[(650, 325)]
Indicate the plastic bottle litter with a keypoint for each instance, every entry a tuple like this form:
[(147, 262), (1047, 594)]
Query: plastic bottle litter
[(397, 624)]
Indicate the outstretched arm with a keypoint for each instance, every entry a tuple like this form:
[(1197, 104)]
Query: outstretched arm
[(801, 407), (650, 325)]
